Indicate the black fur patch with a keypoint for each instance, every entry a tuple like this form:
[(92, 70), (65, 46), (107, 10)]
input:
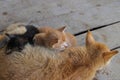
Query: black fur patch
[(17, 42)]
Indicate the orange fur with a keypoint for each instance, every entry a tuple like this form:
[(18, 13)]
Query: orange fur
[(3, 40), (2, 37), (40, 63), (55, 38)]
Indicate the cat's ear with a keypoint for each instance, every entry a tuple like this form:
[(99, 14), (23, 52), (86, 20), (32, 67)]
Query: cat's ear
[(62, 29), (40, 35), (38, 38), (89, 38), (109, 55)]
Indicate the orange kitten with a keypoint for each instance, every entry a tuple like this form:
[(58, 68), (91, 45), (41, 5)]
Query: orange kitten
[(57, 39), (40, 63)]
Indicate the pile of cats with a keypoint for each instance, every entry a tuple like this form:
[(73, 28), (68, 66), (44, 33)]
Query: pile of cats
[(42, 62)]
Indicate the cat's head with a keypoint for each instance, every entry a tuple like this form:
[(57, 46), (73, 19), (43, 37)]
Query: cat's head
[(99, 53), (52, 38)]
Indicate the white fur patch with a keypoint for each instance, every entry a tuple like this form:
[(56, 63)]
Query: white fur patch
[(64, 45), (17, 28)]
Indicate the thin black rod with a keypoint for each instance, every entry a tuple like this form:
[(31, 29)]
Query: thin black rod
[(95, 28), (115, 48)]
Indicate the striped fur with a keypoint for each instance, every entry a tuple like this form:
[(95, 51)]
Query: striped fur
[(40, 63)]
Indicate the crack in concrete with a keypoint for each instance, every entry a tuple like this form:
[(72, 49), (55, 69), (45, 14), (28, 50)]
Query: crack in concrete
[(115, 48), (95, 28)]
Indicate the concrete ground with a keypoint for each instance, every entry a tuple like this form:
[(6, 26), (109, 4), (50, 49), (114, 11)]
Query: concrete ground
[(77, 15)]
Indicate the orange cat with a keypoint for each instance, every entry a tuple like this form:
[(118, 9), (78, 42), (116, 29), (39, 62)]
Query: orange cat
[(40, 63), (57, 39)]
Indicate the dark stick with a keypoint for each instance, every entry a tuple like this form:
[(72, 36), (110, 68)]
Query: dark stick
[(115, 48), (95, 28)]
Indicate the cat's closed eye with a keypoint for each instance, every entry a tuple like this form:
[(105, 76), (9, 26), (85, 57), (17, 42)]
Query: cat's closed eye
[(54, 40)]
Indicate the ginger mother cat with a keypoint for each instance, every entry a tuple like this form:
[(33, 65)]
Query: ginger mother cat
[(40, 63)]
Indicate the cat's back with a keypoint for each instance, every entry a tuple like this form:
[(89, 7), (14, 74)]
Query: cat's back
[(45, 29), (31, 60)]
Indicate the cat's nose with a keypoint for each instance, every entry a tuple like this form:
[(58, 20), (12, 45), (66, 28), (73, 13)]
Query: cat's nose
[(65, 44)]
